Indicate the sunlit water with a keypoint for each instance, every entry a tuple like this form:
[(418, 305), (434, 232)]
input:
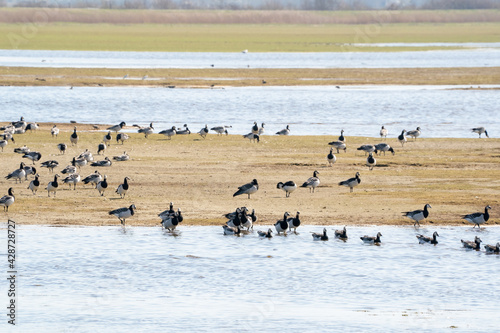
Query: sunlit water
[(488, 55), (143, 279), (310, 110)]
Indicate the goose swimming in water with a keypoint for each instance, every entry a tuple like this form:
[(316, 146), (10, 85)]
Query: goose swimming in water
[(478, 218), (371, 161), (383, 132), (7, 200), (351, 182), (263, 234), (74, 137), (430, 240), (203, 132), (52, 186), (34, 184), (383, 147), (402, 138), (492, 248), (231, 230), (116, 128), (320, 237), (285, 131), (17, 174), (282, 225), (341, 234), (293, 222), (475, 245), (170, 222), (288, 187), (5, 141), (331, 158), (414, 134), (418, 215), (72, 179), (312, 182), (123, 188), (50, 164), (249, 188), (123, 213), (339, 145), (480, 130), (169, 132), (54, 131), (372, 240), (122, 137)]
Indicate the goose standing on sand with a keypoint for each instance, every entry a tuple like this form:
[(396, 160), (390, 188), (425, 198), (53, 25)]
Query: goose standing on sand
[(351, 182), (52, 186), (123, 188), (261, 129), (107, 138), (74, 137), (7, 200), (252, 137), (312, 182), (50, 164), (263, 234), (33, 156), (367, 148), (430, 240), (285, 131), (123, 213), (19, 124), (70, 169), (79, 162), (93, 178), (480, 130), (331, 158), (414, 134), (102, 185), (103, 163), (418, 215), (122, 137), (62, 148), (101, 148), (220, 130), (402, 138), (5, 141), (282, 225), (320, 237), (22, 150), (341, 137), (288, 187), (478, 218), (167, 212), (475, 245), (204, 131), (116, 128), (30, 170), (371, 240), (72, 179), (17, 174), (146, 130), (294, 222), (341, 234), (255, 128), (185, 131), (249, 188), (383, 147), (339, 145), (31, 127), (34, 184), (383, 132), (86, 155), (169, 132), (54, 131), (371, 161), (122, 157), (492, 248)]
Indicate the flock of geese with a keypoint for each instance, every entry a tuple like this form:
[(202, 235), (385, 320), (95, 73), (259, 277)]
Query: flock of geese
[(237, 220)]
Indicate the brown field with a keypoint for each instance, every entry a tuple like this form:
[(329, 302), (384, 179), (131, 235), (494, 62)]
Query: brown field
[(204, 78), (456, 176)]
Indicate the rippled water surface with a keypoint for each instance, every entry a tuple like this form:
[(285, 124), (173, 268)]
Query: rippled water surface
[(439, 111), (140, 279), (486, 56)]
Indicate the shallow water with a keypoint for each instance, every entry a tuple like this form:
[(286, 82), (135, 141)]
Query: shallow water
[(486, 55), (82, 279), (314, 110)]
